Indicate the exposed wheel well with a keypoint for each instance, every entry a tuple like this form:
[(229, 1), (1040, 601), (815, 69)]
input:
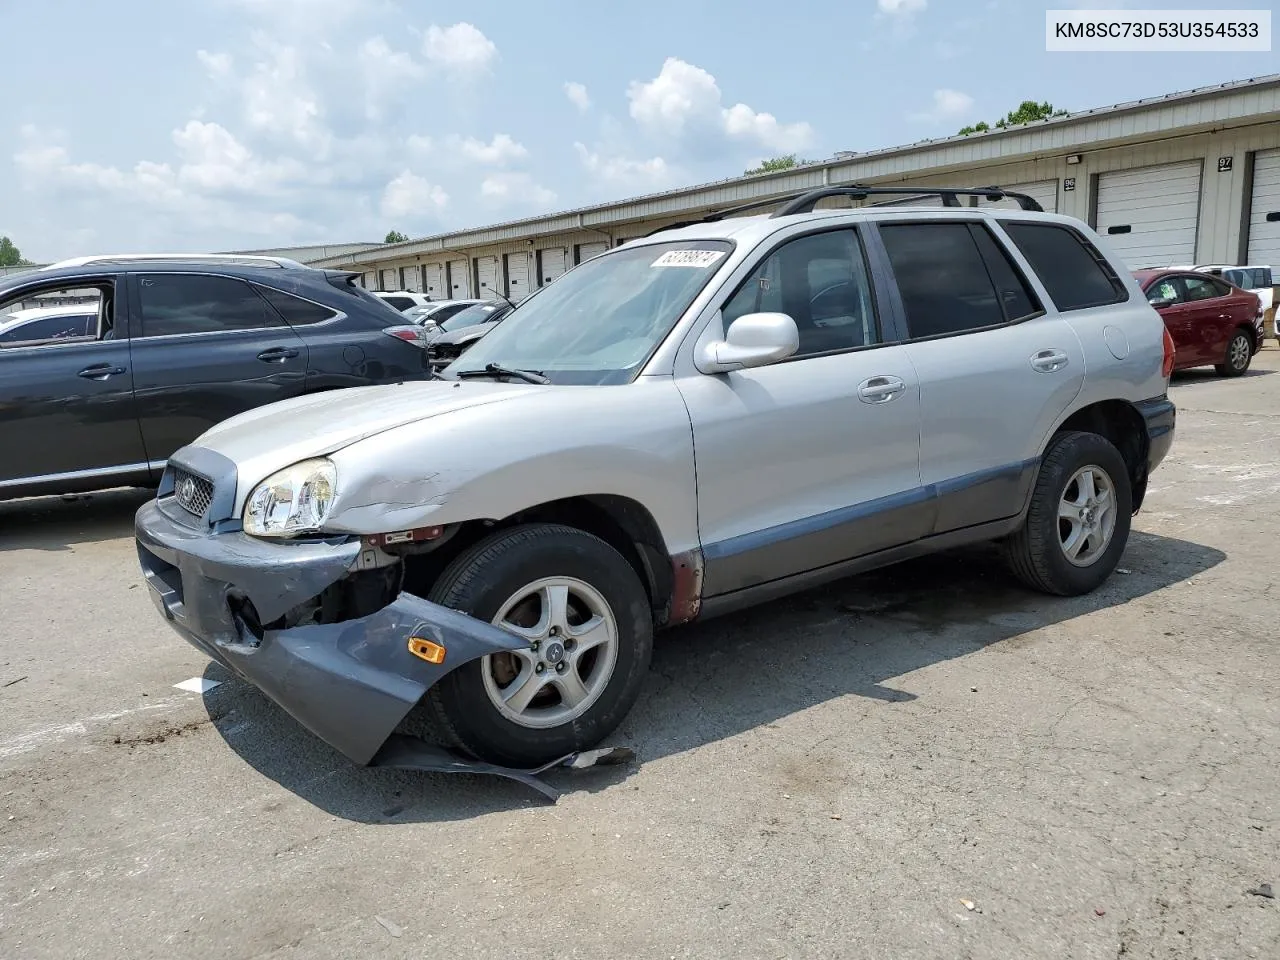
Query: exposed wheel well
[(621, 522), (1119, 422)]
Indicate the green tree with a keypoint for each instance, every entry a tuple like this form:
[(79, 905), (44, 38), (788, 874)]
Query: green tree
[(775, 164), (1028, 112), (10, 255), (395, 236)]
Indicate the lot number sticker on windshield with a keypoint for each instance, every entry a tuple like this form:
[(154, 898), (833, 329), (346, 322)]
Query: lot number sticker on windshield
[(688, 258)]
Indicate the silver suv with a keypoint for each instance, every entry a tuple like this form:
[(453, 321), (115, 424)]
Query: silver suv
[(703, 419)]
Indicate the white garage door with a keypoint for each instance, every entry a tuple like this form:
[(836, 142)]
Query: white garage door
[(487, 276), (1044, 192), (412, 278), (552, 260), (1149, 215), (588, 250), (1264, 210), (389, 280), (518, 275), (459, 279), (435, 283)]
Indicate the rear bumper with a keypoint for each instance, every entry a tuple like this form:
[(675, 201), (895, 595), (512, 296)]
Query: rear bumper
[(1160, 416), (350, 683)]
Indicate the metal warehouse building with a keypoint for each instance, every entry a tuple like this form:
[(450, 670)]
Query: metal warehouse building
[(1186, 178)]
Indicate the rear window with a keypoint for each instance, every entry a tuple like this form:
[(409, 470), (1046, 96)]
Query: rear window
[(1074, 272)]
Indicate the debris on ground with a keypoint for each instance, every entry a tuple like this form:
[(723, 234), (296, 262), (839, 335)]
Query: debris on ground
[(12, 682), (1099, 912), (1262, 890), (969, 904), (390, 927)]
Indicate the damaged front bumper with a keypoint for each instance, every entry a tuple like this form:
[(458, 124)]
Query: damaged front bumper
[(350, 682)]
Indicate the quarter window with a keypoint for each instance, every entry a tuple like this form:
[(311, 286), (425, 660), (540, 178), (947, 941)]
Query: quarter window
[(295, 310), (953, 278), (1073, 271), (173, 303), (821, 282)]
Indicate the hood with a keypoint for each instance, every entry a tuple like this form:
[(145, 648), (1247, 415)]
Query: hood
[(466, 334), (269, 438)]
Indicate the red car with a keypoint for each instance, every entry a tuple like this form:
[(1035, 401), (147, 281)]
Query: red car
[(1212, 323)]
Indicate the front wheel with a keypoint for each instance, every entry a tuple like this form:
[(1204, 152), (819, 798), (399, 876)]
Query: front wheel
[(1078, 523), (586, 620), (1239, 355)]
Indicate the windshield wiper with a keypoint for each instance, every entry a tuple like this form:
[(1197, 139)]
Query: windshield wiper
[(498, 370)]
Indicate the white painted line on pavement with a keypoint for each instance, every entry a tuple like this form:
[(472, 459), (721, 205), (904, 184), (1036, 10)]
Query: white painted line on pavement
[(64, 731), (198, 685)]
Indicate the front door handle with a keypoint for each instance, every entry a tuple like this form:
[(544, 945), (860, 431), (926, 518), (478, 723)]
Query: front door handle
[(99, 371), (277, 354), (880, 389), (1047, 361)]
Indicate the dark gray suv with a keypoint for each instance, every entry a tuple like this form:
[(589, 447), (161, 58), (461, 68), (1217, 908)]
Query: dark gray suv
[(178, 345)]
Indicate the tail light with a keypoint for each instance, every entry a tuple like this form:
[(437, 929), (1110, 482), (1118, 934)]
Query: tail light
[(1166, 368), (409, 333)]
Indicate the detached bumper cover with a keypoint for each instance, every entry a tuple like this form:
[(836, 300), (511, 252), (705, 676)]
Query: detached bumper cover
[(349, 683)]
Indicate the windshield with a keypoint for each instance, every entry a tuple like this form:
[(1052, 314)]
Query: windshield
[(601, 321), (479, 313)]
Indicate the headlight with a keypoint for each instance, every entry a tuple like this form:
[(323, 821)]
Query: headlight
[(296, 500)]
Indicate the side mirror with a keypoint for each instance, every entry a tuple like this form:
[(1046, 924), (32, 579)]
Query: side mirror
[(752, 340), (1161, 302)]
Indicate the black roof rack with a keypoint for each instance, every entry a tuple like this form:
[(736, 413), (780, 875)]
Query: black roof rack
[(950, 196), (805, 202)]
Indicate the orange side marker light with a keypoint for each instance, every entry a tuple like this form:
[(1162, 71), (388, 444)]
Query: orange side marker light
[(427, 650)]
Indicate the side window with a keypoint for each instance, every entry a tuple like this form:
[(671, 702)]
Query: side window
[(821, 282), (1166, 289), (173, 303), (400, 303), (945, 283), (1200, 288), (295, 310), (52, 315), (1074, 272)]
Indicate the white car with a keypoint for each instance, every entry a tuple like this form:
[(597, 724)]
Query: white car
[(49, 323), (403, 300), (438, 311)]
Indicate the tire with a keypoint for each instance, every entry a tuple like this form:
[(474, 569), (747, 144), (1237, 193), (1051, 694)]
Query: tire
[(462, 709), (1238, 356), (1036, 553)]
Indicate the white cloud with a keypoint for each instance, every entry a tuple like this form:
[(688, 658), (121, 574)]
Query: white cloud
[(621, 171), (948, 105), (420, 145), (461, 46), (278, 99), (501, 149), (577, 94), (409, 195), (901, 8), (516, 189), (389, 77), (684, 102), (218, 65)]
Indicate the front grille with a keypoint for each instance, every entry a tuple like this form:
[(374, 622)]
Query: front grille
[(193, 493)]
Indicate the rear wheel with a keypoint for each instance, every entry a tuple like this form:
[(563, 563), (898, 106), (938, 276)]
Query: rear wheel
[(1239, 355), (1078, 523), (586, 621)]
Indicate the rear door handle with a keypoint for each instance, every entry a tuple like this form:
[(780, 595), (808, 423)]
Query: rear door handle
[(99, 371), (880, 389), (277, 354), (1047, 361)]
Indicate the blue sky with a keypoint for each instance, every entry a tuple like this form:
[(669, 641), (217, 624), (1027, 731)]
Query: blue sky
[(217, 124)]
